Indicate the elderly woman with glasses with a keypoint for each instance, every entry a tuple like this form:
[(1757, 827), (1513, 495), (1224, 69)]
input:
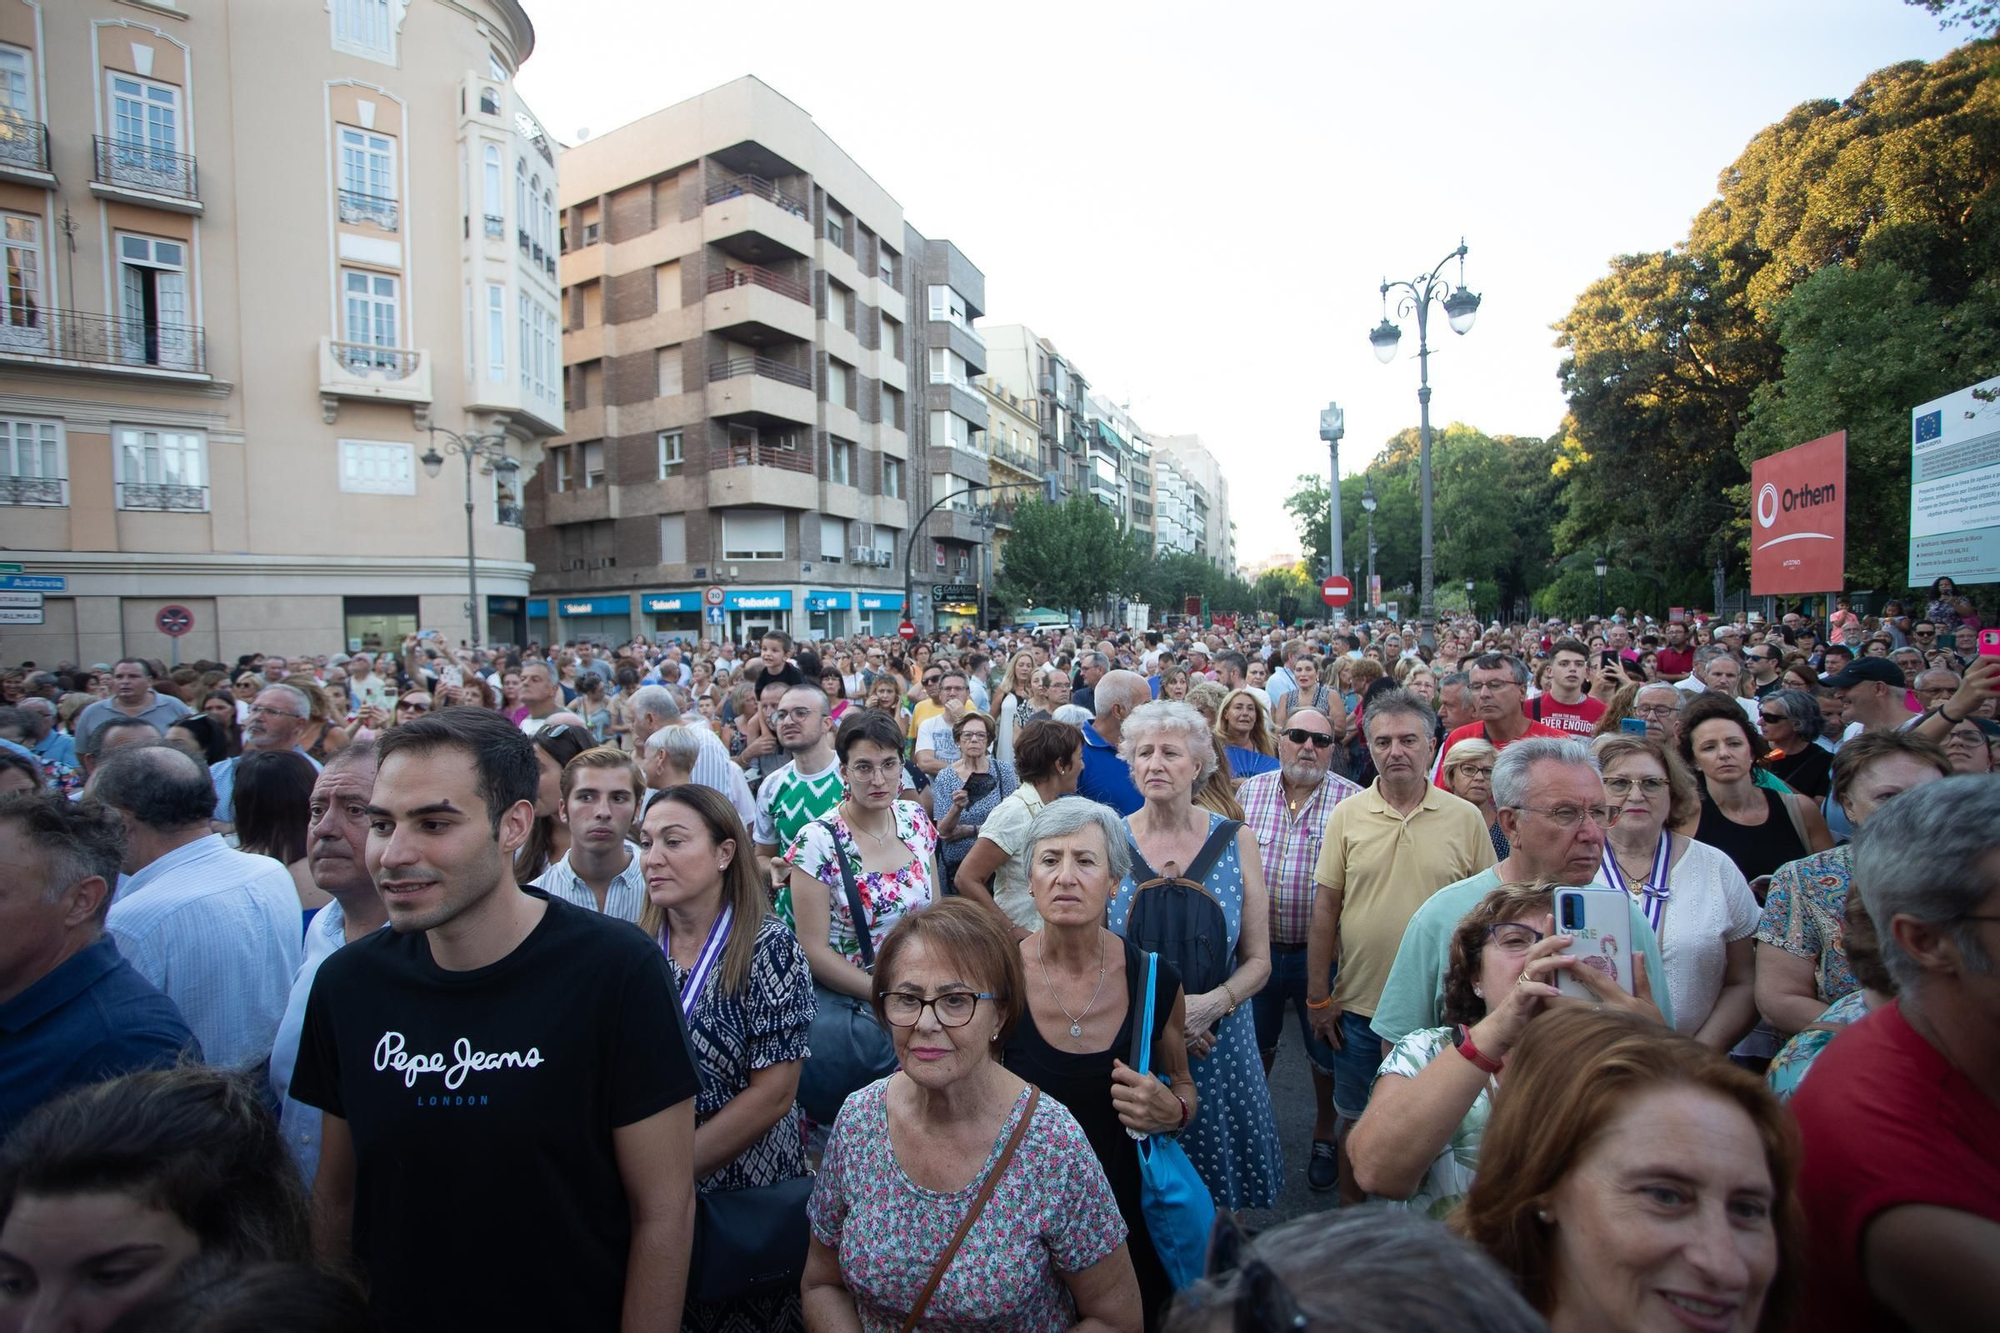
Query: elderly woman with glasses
[(955, 1130), (1698, 903), (1468, 771), (1792, 726)]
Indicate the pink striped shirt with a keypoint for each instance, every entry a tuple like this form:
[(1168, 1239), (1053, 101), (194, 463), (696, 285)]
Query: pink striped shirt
[(1288, 843)]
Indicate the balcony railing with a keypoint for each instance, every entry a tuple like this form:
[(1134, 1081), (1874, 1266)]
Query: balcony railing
[(759, 365), (521, 238), (741, 453), (34, 491), (72, 335), (759, 277), (24, 144), (132, 166), (549, 265), (759, 187), (496, 227), (509, 516), (357, 207), (163, 496), (372, 362)]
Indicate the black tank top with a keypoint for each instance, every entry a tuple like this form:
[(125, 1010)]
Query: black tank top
[(1756, 849)]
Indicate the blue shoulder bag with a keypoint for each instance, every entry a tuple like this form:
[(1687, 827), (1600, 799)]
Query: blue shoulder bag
[(1179, 1210)]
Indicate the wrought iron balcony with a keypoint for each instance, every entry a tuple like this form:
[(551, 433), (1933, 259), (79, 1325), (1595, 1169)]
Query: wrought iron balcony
[(162, 496), (760, 188), (134, 166), (521, 238), (496, 227), (759, 277), (357, 207), (510, 516), (24, 144), (34, 491), (759, 365), (106, 340), (387, 363)]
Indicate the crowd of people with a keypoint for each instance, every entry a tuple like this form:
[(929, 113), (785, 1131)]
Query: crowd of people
[(867, 984)]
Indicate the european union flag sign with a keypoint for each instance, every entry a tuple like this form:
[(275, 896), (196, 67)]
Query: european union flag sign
[(1929, 426)]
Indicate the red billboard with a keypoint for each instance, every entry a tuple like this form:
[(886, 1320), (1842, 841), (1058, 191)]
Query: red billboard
[(1798, 518)]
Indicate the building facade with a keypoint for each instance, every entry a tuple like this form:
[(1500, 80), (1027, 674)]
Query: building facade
[(1031, 369), (255, 252), (952, 570), (1188, 477), (739, 349), (1013, 456)]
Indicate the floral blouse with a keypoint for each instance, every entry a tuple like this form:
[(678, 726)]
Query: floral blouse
[(1448, 1179), (1804, 913), (886, 895), (1052, 1214), (1794, 1059)]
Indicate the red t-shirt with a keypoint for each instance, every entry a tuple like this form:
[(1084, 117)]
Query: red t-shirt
[(1477, 731), (1575, 719), (1673, 663), (1886, 1121)]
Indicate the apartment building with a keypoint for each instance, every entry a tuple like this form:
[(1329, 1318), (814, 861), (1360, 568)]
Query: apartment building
[(738, 350), (957, 536), (255, 252), (1013, 455), (1030, 368), (1189, 480)]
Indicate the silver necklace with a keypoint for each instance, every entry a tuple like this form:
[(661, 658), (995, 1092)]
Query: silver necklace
[(1075, 1020), (880, 838)]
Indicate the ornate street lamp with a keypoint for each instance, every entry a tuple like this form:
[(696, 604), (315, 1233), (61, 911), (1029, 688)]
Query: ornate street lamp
[(1603, 567), (1333, 425), (1368, 503), (492, 449)]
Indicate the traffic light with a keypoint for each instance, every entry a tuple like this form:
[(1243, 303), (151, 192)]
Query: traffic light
[(1051, 486)]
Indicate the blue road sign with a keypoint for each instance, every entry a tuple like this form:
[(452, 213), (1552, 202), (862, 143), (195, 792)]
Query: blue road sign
[(34, 582), (715, 615)]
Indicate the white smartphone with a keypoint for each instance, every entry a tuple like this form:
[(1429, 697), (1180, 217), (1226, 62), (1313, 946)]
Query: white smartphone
[(451, 677), (1599, 922)]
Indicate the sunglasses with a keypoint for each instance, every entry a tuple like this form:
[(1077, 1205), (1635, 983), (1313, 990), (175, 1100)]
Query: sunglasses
[(1300, 736), (411, 705)]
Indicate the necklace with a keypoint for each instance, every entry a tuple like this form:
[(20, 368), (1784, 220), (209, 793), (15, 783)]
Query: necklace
[(1075, 1020), (880, 838)]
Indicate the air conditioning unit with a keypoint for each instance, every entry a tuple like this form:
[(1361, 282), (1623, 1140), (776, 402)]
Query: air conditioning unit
[(572, 564), (861, 555)]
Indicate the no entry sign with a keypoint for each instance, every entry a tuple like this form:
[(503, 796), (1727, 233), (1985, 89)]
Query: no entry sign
[(1336, 591)]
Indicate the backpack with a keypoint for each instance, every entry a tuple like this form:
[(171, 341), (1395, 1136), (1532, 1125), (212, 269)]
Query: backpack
[(1182, 921)]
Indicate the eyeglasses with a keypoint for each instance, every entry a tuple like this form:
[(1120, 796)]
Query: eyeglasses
[(932, 680), (1924, 633), (265, 710), (1624, 786), (1494, 686), (1300, 736), (1572, 816), (413, 706), (1513, 936), (794, 714), (1474, 770), (954, 1008), (1965, 736), (866, 771), (1654, 710)]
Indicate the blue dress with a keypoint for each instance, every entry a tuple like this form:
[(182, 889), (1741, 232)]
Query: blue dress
[(1233, 1141)]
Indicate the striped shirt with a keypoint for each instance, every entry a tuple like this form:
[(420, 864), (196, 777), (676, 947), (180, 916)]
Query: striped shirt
[(623, 900), (218, 931), (1288, 843)]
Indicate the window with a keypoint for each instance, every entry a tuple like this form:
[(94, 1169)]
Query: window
[(593, 464), (949, 306), (836, 226), (559, 468), (146, 136), (496, 333), (673, 539), (837, 298), (840, 461), (33, 469), (892, 336), (670, 454), (496, 208), (363, 27), (161, 469), (17, 83), (369, 310), (892, 478), (367, 178), (152, 303), (541, 365), (832, 539), (940, 365), (672, 373), (523, 218), (507, 499), (949, 428), (494, 69), (21, 324), (892, 407), (839, 384), (888, 265), (753, 534), (376, 467)]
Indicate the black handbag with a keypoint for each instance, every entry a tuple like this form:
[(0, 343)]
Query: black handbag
[(749, 1242)]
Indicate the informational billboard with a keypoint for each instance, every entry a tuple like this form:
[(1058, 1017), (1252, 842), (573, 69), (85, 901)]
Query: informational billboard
[(1798, 518), (1955, 487)]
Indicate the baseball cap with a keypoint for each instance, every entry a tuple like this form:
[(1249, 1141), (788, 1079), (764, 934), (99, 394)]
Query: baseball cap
[(1864, 668)]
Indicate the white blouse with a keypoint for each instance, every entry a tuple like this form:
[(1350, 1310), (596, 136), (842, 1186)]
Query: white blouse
[(1709, 906)]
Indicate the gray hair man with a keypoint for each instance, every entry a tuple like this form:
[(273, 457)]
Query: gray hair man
[(653, 707), (215, 928), (56, 750), (1658, 705), (1091, 669), (1455, 701), (1106, 776), (1288, 809), (670, 756), (1386, 850), (1884, 1116), (277, 716), (1549, 796)]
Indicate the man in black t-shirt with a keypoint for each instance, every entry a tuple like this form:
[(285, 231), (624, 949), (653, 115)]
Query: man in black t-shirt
[(508, 1093)]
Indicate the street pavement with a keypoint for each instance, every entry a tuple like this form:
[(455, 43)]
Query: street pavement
[(1292, 1102)]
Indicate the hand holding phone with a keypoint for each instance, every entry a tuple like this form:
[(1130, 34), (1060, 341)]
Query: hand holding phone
[(1598, 923), (1989, 643), (1632, 726)]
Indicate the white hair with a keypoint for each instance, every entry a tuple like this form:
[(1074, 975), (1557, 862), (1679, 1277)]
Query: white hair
[(1174, 718), (678, 744)]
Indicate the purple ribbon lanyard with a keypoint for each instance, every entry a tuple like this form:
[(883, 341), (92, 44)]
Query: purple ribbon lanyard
[(1654, 890), (705, 961)]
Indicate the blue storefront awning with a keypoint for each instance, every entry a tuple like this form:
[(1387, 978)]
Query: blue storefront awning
[(538, 608), (881, 601), (656, 602), (594, 606), (758, 599), (821, 599)]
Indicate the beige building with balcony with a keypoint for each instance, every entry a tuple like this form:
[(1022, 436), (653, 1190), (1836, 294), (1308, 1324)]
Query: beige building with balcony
[(254, 251)]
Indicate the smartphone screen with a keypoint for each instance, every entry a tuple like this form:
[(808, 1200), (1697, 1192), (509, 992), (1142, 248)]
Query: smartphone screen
[(1632, 726), (1989, 643), (1599, 923)]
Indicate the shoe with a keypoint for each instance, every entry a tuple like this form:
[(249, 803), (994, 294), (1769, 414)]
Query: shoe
[(1323, 1171)]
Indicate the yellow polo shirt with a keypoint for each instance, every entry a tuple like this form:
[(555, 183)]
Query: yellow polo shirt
[(1385, 866)]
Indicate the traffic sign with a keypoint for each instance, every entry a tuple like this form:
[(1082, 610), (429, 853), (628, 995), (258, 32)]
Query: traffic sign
[(907, 629), (9, 567), (1336, 591), (20, 599), (715, 615), (34, 582), (20, 615), (173, 621), (713, 596)]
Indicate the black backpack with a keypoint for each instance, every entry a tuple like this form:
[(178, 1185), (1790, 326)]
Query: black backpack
[(1180, 920)]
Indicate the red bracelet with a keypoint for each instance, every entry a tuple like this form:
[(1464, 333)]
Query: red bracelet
[(1184, 1113), (1473, 1054)]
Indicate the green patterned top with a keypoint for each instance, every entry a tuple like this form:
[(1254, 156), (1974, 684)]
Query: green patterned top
[(787, 801), (1449, 1178)]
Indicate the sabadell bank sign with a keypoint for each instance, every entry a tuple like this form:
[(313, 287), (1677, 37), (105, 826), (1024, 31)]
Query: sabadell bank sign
[(1798, 512)]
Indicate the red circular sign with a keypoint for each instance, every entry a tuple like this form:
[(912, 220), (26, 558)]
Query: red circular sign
[(1336, 591), (173, 621), (907, 629)]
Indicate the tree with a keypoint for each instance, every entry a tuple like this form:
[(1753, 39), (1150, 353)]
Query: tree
[(1069, 556), (1982, 16)]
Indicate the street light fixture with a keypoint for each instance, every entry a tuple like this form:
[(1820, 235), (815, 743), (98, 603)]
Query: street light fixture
[(1333, 425), (1368, 503), (1470, 586), (1603, 567), (493, 450), (1461, 307)]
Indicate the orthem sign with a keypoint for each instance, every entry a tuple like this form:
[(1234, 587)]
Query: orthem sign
[(1798, 518)]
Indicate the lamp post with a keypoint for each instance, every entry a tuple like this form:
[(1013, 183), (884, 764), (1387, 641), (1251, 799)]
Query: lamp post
[(1333, 425), (1368, 508), (1603, 567), (1460, 307), (492, 449), (1470, 587)]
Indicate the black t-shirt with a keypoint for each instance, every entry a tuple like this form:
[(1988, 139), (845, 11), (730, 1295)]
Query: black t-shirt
[(481, 1106)]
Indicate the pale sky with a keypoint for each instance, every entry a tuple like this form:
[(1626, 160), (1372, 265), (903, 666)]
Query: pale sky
[(1197, 203)]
